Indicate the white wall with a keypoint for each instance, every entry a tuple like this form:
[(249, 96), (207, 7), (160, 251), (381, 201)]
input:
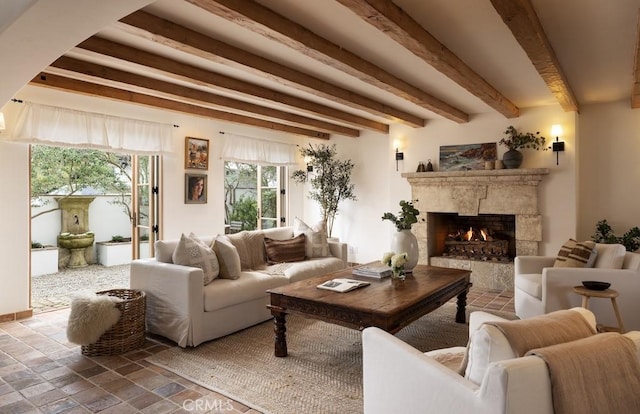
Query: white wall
[(609, 167)]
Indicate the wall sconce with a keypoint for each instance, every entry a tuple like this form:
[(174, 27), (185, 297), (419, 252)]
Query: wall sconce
[(557, 146), (2, 124), (307, 160), (399, 157)]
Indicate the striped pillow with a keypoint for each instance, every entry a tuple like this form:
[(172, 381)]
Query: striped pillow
[(281, 251), (576, 254)]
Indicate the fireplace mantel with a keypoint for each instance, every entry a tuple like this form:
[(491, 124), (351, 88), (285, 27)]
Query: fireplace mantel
[(515, 174), (471, 193)]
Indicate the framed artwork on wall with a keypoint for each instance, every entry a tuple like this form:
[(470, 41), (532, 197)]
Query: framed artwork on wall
[(195, 188), (196, 153), (467, 157)]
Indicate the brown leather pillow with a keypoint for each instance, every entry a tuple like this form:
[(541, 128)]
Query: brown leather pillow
[(280, 251)]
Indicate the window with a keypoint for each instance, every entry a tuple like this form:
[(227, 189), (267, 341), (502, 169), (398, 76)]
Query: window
[(254, 196)]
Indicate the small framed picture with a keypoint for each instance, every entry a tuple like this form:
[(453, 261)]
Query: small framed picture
[(196, 153), (195, 188)]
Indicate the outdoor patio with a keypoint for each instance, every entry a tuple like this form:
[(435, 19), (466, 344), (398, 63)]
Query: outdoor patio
[(56, 291)]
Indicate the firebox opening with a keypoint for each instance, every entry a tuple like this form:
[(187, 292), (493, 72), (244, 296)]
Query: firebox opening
[(486, 237)]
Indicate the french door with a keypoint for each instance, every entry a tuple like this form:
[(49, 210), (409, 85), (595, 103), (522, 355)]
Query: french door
[(145, 203)]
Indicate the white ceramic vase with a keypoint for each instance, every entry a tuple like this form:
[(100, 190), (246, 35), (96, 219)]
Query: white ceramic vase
[(405, 241)]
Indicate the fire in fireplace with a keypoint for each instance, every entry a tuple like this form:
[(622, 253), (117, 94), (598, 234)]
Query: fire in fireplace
[(487, 237)]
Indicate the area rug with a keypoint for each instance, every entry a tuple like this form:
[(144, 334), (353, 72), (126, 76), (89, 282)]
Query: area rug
[(322, 374)]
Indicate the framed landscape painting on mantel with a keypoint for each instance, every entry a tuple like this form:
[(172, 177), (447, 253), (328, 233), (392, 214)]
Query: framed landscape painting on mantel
[(196, 153), (467, 157)]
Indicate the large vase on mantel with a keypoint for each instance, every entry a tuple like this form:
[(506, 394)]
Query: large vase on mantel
[(512, 159), (405, 241)]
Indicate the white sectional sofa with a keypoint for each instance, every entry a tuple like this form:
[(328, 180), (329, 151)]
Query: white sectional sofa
[(180, 307)]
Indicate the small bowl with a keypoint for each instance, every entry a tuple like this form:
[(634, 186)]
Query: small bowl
[(596, 285)]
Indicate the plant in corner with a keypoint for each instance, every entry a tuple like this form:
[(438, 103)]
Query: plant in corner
[(516, 141), (604, 234), (330, 180)]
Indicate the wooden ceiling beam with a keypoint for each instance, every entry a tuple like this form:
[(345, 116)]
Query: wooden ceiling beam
[(522, 19), (90, 72), (397, 24), (217, 82), (51, 80), (635, 93), (172, 35), (266, 22)]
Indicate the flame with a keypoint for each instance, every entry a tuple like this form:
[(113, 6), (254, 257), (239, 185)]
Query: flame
[(483, 234), (469, 234)]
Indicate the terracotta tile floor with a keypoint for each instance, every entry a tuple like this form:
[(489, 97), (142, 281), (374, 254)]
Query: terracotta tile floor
[(40, 372)]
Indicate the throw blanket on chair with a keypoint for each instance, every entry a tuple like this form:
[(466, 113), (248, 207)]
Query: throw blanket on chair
[(598, 375), (544, 330), (91, 317)]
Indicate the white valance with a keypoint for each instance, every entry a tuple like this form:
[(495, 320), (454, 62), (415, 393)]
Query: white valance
[(42, 124), (257, 151)]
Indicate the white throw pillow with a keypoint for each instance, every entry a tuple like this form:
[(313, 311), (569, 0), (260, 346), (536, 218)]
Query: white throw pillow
[(610, 256), (192, 252), (228, 257), (316, 244)]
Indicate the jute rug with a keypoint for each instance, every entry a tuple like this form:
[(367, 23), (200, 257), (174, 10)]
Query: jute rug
[(322, 374)]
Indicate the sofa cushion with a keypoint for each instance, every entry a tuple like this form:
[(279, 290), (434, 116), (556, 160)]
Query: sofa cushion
[(576, 254), (631, 261), (164, 248), (278, 233), (190, 251), (283, 251), (531, 283), (254, 241), (316, 237), (228, 257), (249, 286), (610, 256), (239, 241), (316, 266), (488, 344)]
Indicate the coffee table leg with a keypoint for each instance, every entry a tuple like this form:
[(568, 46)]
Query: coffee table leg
[(280, 329), (461, 316)]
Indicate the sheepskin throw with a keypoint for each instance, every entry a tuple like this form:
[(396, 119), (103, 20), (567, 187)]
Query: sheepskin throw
[(91, 317)]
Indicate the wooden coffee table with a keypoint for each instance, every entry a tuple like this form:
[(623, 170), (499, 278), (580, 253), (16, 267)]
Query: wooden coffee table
[(386, 304)]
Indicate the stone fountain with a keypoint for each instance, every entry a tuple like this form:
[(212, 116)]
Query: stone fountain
[(75, 234)]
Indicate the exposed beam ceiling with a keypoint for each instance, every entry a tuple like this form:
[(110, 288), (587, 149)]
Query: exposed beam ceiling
[(60, 82), (522, 20), (394, 22), (260, 19), (341, 67)]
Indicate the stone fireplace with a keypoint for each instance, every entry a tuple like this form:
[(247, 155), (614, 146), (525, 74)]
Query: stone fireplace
[(502, 203)]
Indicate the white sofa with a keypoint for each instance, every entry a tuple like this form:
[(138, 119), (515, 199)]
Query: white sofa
[(181, 308), (540, 288), (398, 378)]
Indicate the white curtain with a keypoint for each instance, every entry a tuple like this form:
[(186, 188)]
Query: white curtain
[(257, 151), (42, 124)]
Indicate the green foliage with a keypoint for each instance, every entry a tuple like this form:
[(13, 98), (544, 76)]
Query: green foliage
[(36, 245), (117, 238), (245, 211), (330, 180), (604, 234), (518, 140), (407, 216)]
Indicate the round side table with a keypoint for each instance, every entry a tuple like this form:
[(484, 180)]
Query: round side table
[(607, 293)]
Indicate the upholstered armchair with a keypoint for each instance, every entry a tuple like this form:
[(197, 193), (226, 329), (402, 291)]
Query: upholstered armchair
[(398, 378), (540, 288)]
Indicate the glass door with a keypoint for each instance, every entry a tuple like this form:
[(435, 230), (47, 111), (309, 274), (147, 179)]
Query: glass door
[(145, 204), (269, 202)]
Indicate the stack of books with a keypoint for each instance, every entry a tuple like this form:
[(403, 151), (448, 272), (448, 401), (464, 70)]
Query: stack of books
[(373, 271)]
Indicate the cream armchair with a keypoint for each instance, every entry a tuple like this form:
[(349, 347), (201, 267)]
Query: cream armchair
[(398, 378), (540, 288)]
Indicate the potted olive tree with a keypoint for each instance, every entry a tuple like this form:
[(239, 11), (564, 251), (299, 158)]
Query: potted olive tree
[(330, 179)]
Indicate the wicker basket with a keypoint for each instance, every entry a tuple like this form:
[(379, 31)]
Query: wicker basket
[(129, 332)]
